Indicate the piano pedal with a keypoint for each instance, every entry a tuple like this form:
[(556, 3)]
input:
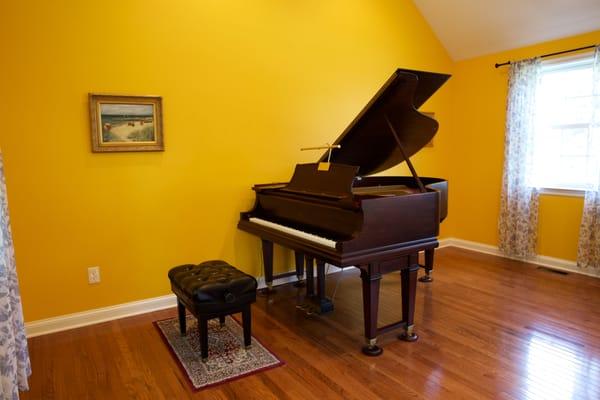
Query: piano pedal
[(314, 306), (307, 308)]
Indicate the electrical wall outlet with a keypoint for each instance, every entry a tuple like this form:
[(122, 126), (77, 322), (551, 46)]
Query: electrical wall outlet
[(93, 275)]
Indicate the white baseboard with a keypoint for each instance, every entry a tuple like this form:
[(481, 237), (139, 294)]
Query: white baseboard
[(95, 316), (329, 269), (546, 261), (76, 320)]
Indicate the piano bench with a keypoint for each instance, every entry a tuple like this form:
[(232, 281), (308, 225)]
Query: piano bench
[(213, 289)]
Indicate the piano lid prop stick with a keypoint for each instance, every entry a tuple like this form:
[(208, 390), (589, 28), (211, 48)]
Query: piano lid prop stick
[(410, 166), (324, 166)]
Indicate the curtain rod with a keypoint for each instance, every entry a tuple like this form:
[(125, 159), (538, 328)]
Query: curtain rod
[(550, 54)]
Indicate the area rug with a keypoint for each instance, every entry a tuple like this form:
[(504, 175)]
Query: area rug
[(227, 357)]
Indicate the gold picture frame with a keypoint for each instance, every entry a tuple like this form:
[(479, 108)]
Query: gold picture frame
[(126, 123)]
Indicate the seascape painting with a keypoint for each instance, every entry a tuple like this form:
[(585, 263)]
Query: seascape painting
[(126, 123)]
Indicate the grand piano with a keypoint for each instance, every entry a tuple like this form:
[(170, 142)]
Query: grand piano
[(333, 211)]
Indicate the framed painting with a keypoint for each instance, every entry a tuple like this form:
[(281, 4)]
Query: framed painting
[(126, 123)]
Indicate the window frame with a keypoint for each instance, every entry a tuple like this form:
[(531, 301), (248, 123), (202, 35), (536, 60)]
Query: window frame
[(554, 64)]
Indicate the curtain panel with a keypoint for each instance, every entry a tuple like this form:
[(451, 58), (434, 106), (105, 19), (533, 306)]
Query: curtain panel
[(588, 251), (517, 222), (15, 366)]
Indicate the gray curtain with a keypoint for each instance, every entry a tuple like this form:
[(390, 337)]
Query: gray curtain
[(517, 223), (588, 251), (14, 356)]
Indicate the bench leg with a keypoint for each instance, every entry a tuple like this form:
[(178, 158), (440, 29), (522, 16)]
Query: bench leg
[(181, 312), (203, 331), (222, 320), (247, 322)]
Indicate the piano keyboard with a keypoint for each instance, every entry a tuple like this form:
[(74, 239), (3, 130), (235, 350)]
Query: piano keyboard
[(294, 232)]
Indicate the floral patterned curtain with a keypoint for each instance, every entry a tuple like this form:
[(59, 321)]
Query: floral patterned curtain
[(517, 224), (14, 356), (588, 252)]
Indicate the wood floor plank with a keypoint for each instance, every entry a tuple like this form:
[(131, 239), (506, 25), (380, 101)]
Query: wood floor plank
[(490, 328)]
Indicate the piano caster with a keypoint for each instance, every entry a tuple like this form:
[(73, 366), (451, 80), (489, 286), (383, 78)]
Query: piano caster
[(371, 349), (408, 335), (427, 277)]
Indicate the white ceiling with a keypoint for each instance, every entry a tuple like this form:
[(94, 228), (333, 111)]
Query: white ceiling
[(470, 28)]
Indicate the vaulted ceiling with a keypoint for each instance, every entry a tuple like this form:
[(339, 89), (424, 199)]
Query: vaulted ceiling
[(470, 28)]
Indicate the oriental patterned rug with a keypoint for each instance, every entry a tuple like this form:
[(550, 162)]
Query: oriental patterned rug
[(227, 357)]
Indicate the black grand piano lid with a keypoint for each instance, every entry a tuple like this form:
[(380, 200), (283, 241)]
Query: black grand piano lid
[(368, 142)]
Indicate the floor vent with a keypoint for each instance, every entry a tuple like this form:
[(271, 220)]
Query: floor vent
[(554, 271)]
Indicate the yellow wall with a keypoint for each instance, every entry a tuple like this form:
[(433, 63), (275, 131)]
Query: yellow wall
[(245, 85), (478, 115)]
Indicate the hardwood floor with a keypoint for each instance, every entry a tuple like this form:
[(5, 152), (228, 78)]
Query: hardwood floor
[(488, 327)]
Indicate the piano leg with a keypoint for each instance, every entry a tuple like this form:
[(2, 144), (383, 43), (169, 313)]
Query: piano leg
[(267, 250), (308, 305), (299, 269), (370, 288), (409, 291), (310, 277), (325, 305), (428, 266)]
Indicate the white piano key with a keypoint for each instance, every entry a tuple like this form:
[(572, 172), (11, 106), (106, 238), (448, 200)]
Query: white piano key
[(294, 232)]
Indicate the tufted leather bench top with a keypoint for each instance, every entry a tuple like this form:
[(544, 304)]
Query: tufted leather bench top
[(212, 283)]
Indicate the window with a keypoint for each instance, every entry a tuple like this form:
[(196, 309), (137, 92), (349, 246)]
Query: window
[(566, 142)]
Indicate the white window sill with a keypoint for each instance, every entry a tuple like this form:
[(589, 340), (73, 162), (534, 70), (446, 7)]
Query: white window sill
[(562, 192)]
